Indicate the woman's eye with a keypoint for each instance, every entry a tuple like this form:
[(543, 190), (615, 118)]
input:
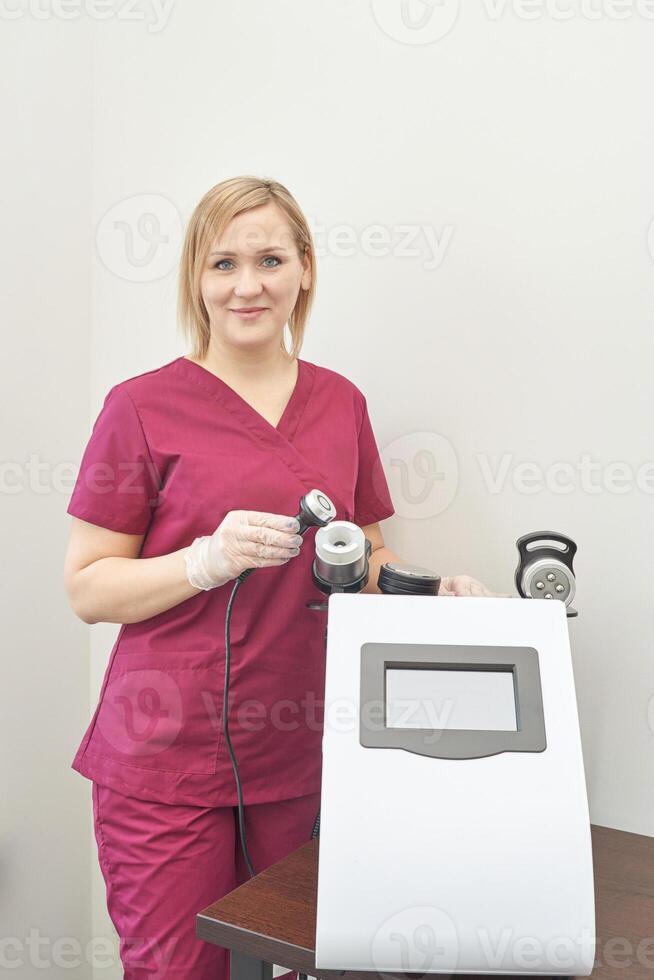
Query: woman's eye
[(221, 263)]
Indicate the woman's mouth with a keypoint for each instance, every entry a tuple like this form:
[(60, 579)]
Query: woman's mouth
[(249, 312)]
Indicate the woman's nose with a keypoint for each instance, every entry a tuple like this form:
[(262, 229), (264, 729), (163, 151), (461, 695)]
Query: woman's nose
[(248, 283)]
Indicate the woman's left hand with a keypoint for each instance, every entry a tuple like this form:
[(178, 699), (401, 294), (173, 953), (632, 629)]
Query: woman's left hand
[(466, 585)]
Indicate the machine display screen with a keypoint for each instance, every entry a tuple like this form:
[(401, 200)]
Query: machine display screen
[(440, 698)]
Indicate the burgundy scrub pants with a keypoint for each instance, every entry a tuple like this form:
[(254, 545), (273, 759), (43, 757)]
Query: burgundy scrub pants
[(163, 863)]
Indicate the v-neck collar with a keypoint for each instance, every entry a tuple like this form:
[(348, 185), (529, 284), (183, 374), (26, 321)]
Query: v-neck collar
[(278, 439), (292, 413)]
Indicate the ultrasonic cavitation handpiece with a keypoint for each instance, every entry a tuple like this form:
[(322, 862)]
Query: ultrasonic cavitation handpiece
[(545, 567), (316, 510), (401, 578)]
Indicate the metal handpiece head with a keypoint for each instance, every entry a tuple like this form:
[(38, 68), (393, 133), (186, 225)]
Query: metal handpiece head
[(316, 510)]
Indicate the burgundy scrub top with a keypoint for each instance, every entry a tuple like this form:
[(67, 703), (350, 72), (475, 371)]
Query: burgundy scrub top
[(171, 452)]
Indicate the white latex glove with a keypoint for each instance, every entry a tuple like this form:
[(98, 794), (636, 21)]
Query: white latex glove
[(466, 585), (244, 539)]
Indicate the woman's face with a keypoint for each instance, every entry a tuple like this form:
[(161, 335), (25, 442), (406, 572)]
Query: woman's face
[(254, 266)]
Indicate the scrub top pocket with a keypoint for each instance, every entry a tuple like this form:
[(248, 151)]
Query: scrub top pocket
[(158, 716)]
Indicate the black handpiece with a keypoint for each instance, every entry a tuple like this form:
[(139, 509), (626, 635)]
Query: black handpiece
[(316, 510), (545, 567)]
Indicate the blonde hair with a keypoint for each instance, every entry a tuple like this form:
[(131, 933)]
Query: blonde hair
[(210, 217)]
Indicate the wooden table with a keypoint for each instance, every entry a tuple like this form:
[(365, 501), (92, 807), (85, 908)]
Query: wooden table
[(272, 918)]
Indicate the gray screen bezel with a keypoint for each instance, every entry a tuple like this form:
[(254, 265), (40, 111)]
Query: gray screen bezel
[(459, 743)]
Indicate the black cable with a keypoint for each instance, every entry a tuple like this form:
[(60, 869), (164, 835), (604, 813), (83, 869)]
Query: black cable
[(315, 510), (239, 789)]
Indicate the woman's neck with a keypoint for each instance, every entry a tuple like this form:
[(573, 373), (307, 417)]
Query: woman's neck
[(247, 366)]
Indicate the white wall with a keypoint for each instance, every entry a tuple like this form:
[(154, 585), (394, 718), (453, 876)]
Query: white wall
[(517, 155), (45, 257)]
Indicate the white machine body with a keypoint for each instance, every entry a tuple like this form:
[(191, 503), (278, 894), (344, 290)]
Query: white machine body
[(475, 858)]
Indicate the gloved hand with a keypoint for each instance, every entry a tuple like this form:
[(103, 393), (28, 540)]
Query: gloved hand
[(244, 539), (466, 585)]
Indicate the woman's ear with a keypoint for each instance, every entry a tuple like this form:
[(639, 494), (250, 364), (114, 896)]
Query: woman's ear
[(305, 282)]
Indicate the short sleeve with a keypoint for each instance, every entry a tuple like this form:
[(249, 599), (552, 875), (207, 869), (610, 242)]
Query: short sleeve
[(372, 498), (117, 484)]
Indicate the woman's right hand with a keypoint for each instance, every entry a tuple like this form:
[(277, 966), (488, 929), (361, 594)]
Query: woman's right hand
[(244, 539)]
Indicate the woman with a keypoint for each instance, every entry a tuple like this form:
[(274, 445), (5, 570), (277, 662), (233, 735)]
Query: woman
[(192, 474)]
